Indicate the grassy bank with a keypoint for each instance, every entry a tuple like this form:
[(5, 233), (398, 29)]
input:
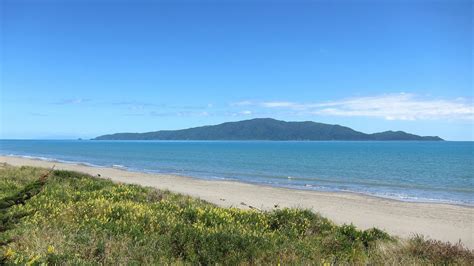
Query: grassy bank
[(80, 219)]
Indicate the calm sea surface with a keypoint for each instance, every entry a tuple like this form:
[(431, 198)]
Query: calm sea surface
[(412, 171)]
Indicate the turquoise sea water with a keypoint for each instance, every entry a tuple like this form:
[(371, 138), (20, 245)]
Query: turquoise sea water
[(412, 171)]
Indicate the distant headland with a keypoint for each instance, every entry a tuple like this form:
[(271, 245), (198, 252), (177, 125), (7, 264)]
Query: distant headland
[(269, 129)]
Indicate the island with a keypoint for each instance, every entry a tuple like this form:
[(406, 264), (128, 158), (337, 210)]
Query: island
[(270, 129)]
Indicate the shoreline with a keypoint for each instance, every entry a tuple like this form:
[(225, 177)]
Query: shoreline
[(440, 221), (144, 171)]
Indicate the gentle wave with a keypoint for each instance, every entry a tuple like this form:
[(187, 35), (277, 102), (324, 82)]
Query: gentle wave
[(48, 159), (384, 195)]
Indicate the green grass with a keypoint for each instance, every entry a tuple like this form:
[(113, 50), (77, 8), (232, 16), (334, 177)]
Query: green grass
[(79, 219)]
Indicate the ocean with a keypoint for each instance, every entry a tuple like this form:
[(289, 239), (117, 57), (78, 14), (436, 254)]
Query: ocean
[(440, 172)]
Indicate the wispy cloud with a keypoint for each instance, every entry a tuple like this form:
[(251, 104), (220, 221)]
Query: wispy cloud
[(153, 109), (280, 104), (140, 105), (72, 101), (401, 106), (242, 103), (181, 113), (37, 114), (137, 103), (245, 112)]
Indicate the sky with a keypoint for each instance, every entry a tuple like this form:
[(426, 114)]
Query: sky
[(79, 69)]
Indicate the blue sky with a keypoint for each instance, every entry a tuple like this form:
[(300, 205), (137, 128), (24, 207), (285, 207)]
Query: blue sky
[(75, 68)]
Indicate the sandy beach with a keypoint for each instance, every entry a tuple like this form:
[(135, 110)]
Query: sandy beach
[(439, 221)]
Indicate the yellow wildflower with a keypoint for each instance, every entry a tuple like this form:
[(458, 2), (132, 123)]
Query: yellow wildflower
[(9, 253), (50, 249)]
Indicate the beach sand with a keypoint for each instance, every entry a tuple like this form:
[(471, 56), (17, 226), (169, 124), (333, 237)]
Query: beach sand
[(438, 221)]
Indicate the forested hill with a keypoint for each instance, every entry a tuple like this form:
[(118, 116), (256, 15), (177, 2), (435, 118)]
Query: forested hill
[(267, 129)]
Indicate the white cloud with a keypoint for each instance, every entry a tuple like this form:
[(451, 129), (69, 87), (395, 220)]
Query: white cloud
[(400, 106), (246, 112)]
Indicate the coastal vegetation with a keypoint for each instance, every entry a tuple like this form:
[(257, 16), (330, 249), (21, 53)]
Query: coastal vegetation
[(75, 218), (268, 129)]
